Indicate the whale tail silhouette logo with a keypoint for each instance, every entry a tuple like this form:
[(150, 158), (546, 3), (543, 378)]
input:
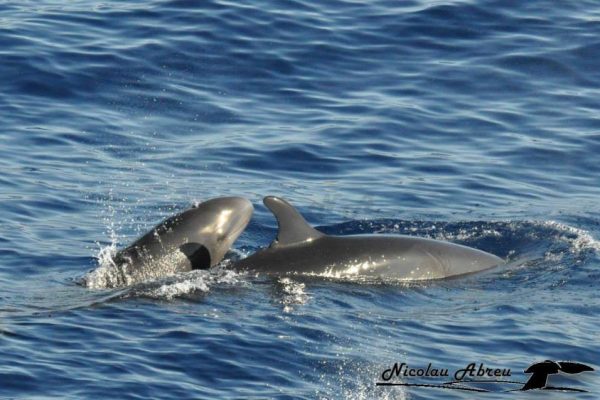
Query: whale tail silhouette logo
[(541, 370)]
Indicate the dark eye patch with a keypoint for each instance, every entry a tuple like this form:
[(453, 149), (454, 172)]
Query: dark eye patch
[(198, 255)]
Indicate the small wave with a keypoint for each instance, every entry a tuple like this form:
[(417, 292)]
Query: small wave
[(529, 240), (187, 283), (497, 237), (579, 239)]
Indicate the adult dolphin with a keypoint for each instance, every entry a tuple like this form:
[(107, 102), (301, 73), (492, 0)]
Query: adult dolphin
[(301, 249), (197, 238)]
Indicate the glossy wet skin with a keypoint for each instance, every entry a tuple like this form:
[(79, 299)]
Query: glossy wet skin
[(301, 249), (197, 238), (396, 257)]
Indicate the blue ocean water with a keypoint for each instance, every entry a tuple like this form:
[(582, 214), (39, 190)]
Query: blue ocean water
[(473, 121)]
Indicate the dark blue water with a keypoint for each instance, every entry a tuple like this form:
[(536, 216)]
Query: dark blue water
[(471, 121)]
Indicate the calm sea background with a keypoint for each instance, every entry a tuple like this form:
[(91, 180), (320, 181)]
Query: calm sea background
[(476, 122)]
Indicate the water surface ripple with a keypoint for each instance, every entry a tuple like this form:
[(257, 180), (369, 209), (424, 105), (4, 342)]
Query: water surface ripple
[(471, 121)]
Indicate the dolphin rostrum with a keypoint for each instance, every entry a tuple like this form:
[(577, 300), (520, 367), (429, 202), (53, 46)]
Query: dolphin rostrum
[(197, 238), (301, 249)]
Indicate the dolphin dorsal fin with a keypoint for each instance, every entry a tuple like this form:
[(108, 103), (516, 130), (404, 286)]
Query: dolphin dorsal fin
[(293, 228)]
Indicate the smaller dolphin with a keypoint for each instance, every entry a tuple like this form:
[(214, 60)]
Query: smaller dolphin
[(301, 249), (197, 238)]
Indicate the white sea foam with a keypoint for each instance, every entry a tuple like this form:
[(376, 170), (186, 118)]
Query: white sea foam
[(106, 274), (191, 282), (578, 239), (293, 293)]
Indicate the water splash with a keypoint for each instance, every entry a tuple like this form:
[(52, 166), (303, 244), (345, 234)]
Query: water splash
[(193, 282), (292, 293), (107, 274), (355, 381)]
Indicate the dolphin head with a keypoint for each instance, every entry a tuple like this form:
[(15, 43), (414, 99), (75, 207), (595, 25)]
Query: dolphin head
[(197, 238), (211, 228), (459, 260)]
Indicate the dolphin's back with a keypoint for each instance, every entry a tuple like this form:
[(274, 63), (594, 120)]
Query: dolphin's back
[(397, 257), (301, 249)]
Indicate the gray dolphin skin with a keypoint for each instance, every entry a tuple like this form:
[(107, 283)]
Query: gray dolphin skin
[(197, 238), (301, 249)]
